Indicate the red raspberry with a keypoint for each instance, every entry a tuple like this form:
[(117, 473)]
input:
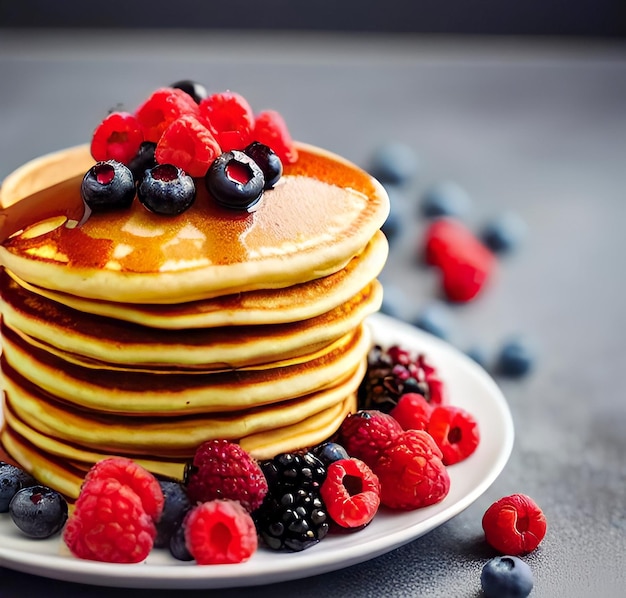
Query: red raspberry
[(129, 473), (109, 524), (163, 106), (271, 130), (455, 431), (351, 493), (412, 411), (117, 137), (514, 525), (220, 532), (230, 119), (222, 469), (367, 433), (187, 144), (411, 472)]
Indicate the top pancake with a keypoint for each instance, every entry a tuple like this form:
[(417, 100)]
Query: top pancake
[(321, 213)]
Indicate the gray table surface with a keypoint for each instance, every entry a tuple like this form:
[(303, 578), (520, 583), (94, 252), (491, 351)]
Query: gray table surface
[(538, 128)]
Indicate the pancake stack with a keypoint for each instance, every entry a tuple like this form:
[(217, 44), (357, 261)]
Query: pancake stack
[(134, 334)]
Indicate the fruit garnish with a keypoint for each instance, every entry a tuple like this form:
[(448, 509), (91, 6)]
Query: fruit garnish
[(267, 160), (176, 503), (38, 511), (506, 577), (108, 186), (455, 431), (412, 411), (516, 357), (166, 190), (230, 118), (196, 90), (12, 479), (143, 160), (117, 137), (328, 452), (235, 180), (292, 471), (446, 198), (270, 129)]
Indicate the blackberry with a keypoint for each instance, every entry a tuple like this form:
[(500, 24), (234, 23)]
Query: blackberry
[(289, 471)]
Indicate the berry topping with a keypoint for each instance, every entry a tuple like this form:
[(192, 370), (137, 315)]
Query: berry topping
[(38, 511), (143, 160), (175, 507), (455, 431), (292, 471), (230, 118), (189, 145), (516, 357), (328, 452), (196, 90), (514, 525), (411, 472), (351, 493), (178, 544), (412, 411), (220, 532), (166, 190), (271, 129), (107, 186), (367, 433), (506, 577), (109, 524), (235, 180), (12, 479), (117, 137), (222, 469), (267, 161)]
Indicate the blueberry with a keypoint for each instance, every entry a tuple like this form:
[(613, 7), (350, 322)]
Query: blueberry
[(393, 225), (506, 577), (38, 511), (394, 163), (268, 162), (178, 546), (329, 452), (166, 190), (435, 319), (445, 199), (175, 508), (516, 358), (143, 160), (12, 479), (108, 185), (235, 180), (196, 90), (479, 354), (504, 233)]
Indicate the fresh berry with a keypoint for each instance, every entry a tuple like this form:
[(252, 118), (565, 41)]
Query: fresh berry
[(143, 160), (293, 471), (504, 233), (329, 452), (117, 137), (230, 119), (166, 190), (516, 357), (455, 431), (411, 472), (109, 524), (129, 473), (271, 130), (189, 145), (175, 507), (351, 493), (178, 545), (222, 469), (220, 532), (108, 186), (267, 161), (235, 180), (38, 511), (293, 521), (195, 90), (445, 199), (163, 106), (12, 479), (394, 163), (366, 433), (514, 525), (412, 411), (506, 577), (393, 224), (434, 318)]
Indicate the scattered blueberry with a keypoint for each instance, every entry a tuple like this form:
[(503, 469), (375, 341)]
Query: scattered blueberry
[(392, 226), (506, 577), (479, 354), (504, 233), (267, 160), (329, 452), (435, 319), (445, 199), (235, 180), (178, 547), (516, 358), (12, 479), (108, 185), (143, 160), (175, 508), (196, 90), (394, 163), (38, 511), (167, 190)]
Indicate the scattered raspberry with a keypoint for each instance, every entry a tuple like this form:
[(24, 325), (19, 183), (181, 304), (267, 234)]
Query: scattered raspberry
[(109, 524), (129, 473), (514, 525), (270, 129), (351, 493), (455, 431), (220, 532), (412, 411), (118, 137), (367, 433), (222, 469), (230, 119), (411, 472)]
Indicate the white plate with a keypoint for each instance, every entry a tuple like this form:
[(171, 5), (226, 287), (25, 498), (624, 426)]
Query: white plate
[(469, 386)]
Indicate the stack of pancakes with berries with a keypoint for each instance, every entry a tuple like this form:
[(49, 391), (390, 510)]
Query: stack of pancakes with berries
[(193, 274)]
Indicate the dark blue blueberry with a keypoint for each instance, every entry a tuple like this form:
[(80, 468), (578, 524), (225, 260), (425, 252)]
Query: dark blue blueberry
[(516, 358), (178, 547), (166, 190), (196, 90), (504, 233), (445, 199), (393, 225), (506, 577), (12, 479), (143, 160), (435, 319), (394, 163), (329, 452), (175, 508), (108, 185), (38, 511), (267, 160), (235, 180)]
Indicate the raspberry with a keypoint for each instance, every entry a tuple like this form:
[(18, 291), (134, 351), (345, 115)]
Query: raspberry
[(189, 145), (514, 525), (109, 524), (163, 106), (351, 493), (220, 532), (455, 431), (412, 411), (367, 433), (271, 130), (118, 137), (129, 473), (222, 469), (411, 472), (230, 118)]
